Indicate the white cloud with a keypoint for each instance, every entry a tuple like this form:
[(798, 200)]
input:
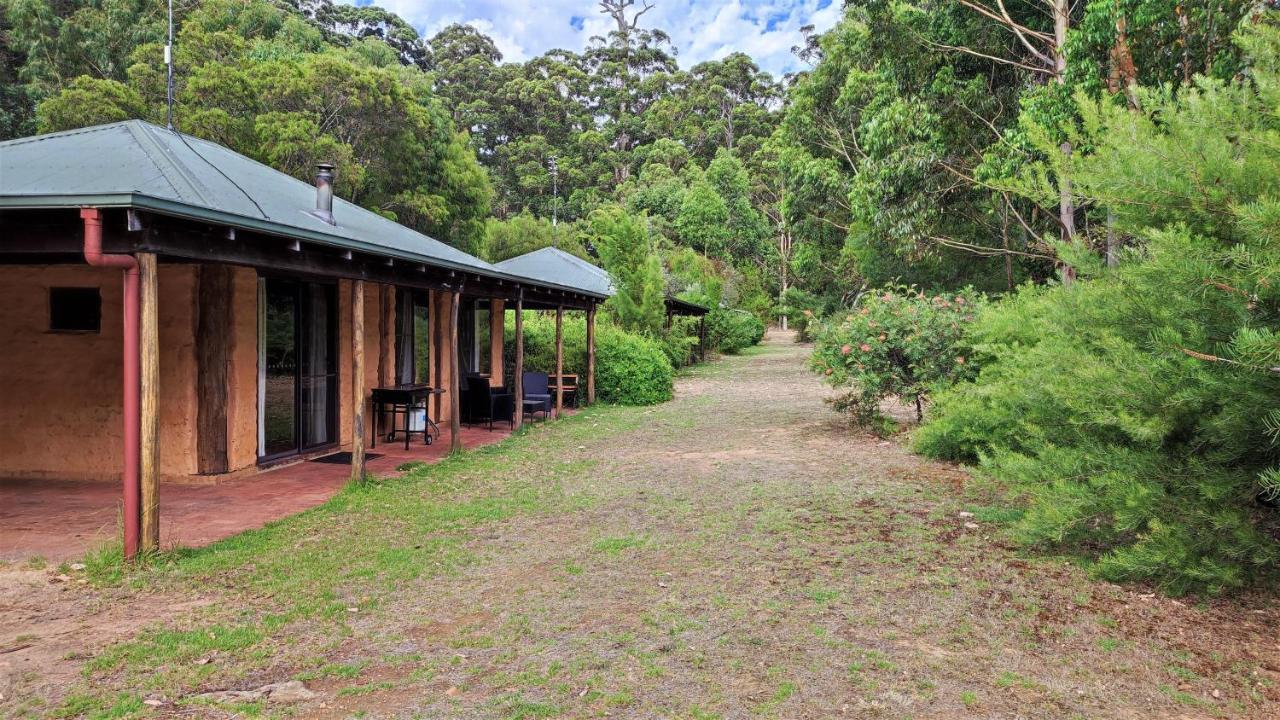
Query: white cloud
[(700, 29)]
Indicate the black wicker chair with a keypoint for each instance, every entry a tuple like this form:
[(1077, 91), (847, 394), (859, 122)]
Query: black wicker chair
[(486, 405)]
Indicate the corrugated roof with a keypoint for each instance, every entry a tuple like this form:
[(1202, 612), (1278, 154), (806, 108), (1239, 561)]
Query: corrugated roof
[(137, 164), (551, 262)]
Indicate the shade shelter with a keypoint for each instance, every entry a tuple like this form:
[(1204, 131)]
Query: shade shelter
[(180, 311), (552, 262)]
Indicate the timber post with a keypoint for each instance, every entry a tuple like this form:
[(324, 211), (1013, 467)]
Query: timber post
[(559, 361), (455, 404), (702, 338), (518, 410), (357, 381), (437, 332), (213, 350), (591, 354), (497, 327), (149, 402)]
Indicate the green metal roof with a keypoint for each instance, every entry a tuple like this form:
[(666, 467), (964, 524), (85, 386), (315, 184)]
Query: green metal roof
[(139, 165), (551, 262)]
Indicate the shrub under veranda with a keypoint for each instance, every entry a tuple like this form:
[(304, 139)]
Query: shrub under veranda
[(898, 342), (630, 369), (1139, 411)]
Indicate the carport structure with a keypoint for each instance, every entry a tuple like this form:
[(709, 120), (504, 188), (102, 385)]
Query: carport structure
[(257, 313)]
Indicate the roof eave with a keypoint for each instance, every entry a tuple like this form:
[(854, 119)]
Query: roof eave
[(193, 212)]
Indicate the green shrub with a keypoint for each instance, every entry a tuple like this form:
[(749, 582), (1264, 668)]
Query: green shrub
[(802, 309), (1137, 411), (897, 343), (732, 331), (630, 369), (680, 341)]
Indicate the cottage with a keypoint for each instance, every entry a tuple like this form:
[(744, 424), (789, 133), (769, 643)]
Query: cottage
[(172, 310)]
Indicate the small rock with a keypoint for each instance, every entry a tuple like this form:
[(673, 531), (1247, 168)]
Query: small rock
[(1216, 694), (287, 692), (452, 691), (353, 609), (971, 526), (76, 566), (965, 514), (231, 695), (61, 578), (282, 692), (152, 702)]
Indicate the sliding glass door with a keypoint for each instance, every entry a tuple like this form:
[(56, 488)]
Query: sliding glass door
[(298, 369)]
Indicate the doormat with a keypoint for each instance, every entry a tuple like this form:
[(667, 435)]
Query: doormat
[(343, 458)]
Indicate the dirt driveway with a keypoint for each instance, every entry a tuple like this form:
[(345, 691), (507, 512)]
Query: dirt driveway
[(736, 553)]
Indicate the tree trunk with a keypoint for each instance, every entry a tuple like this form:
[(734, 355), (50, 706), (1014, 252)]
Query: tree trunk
[(1066, 203)]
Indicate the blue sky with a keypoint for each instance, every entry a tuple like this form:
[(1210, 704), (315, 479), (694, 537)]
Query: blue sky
[(700, 29)]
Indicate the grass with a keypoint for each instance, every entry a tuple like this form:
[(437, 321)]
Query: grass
[(615, 546)]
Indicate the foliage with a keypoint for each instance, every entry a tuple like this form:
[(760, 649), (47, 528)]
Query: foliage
[(732, 331), (1137, 409), (801, 309), (524, 233), (878, 143), (898, 342), (630, 369), (627, 253)]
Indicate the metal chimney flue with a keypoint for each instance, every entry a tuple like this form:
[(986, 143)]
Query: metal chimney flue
[(324, 192)]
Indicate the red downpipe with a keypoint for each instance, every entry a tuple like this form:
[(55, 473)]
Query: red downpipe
[(132, 372)]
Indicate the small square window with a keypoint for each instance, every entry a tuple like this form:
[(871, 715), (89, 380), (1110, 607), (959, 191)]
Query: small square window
[(75, 309)]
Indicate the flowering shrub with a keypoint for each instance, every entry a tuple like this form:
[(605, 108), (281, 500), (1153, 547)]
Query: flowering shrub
[(896, 342)]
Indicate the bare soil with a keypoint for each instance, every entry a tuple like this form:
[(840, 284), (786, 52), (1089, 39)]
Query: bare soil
[(737, 553)]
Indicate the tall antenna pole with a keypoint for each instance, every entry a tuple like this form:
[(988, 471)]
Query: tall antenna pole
[(168, 61)]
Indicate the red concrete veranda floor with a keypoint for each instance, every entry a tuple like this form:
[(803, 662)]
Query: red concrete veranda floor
[(61, 520)]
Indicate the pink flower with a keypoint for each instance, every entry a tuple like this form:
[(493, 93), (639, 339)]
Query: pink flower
[(846, 349), (865, 347)]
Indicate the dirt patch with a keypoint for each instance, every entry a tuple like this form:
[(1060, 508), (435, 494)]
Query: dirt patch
[(51, 622)]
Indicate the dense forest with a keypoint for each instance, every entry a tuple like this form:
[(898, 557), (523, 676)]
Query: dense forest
[(1071, 204)]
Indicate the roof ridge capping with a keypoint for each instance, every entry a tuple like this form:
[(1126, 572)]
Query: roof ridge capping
[(42, 137)]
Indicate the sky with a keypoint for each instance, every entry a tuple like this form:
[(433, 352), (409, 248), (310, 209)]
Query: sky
[(700, 29)]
